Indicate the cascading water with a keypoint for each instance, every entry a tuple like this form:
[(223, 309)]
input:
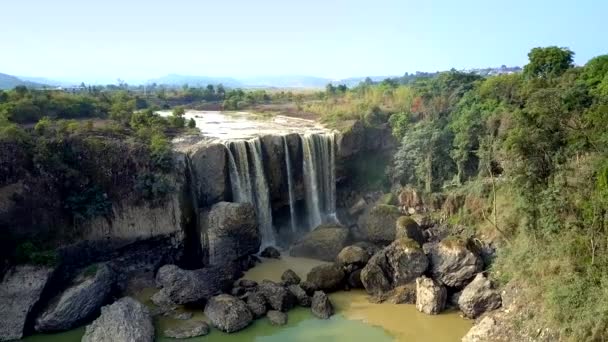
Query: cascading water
[(319, 177), (249, 183), (292, 203)]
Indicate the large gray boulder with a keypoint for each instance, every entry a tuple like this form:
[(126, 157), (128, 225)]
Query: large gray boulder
[(82, 299), (20, 290), (278, 297), (228, 313), (478, 297), (126, 320), (256, 302), (230, 232), (326, 278), (377, 225), (289, 277), (430, 296), (191, 286), (397, 264), (323, 243), (210, 168), (353, 255), (452, 263), (321, 305)]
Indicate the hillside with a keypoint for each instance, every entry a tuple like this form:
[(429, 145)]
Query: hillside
[(10, 82)]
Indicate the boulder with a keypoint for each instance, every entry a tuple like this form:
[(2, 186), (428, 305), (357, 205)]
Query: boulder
[(302, 298), (188, 330), (124, 320), (483, 331), (209, 165), (478, 297), (271, 253), (430, 296), (321, 305), (358, 207), (404, 294), (354, 280), (407, 227), (82, 299), (256, 304), (323, 243), (246, 283), (452, 263), (369, 247), (277, 296), (397, 264), (377, 225), (352, 255), (325, 277), (230, 232), (351, 139), (228, 313), (277, 317), (290, 277), (20, 290), (190, 286)]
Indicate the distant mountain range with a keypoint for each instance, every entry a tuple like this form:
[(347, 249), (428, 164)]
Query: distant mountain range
[(286, 81)]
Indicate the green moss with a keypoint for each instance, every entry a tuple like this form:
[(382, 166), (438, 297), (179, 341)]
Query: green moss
[(388, 199), (453, 242), (405, 221), (90, 271), (408, 243), (385, 209)]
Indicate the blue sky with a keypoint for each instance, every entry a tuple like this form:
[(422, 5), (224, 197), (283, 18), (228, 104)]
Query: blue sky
[(135, 40)]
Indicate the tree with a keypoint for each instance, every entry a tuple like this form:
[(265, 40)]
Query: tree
[(179, 111), (548, 62), (191, 123)]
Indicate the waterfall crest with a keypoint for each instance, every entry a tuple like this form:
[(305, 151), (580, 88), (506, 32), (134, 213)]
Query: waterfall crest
[(249, 184)]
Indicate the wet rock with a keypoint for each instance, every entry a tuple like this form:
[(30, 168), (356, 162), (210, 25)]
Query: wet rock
[(246, 283), (82, 299), (189, 330), (354, 280), (369, 247), (308, 287), (290, 277), (124, 320), (404, 294), (256, 304), (182, 316), (321, 305), (452, 263), (20, 290), (230, 232), (407, 227), (302, 297), (190, 286), (358, 207), (162, 301), (397, 264), (277, 317), (227, 313), (478, 297), (277, 296), (326, 277), (323, 243), (430, 296), (377, 225), (238, 291), (353, 255), (271, 253)]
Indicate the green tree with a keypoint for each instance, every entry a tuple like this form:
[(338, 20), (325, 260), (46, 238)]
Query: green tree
[(548, 62)]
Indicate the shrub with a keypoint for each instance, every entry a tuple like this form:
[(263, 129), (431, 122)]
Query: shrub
[(28, 253)]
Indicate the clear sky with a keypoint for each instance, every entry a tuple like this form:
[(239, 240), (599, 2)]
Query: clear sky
[(135, 39)]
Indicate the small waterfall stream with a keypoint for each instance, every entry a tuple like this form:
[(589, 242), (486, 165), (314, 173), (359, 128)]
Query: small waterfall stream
[(290, 183)]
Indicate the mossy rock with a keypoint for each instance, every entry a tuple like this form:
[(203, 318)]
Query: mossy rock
[(378, 224), (385, 209), (388, 199)]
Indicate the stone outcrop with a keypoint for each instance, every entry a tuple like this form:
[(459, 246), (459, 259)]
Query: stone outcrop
[(191, 286), (323, 243), (277, 317), (407, 227), (289, 277), (228, 313), (210, 172), (321, 305), (230, 232), (20, 290), (377, 225), (271, 253), (188, 330), (397, 264), (478, 297), (124, 320), (277, 296), (82, 299), (452, 263), (326, 278), (430, 296), (352, 255)]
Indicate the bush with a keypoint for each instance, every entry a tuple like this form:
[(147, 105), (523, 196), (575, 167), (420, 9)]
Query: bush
[(153, 187), (28, 253)]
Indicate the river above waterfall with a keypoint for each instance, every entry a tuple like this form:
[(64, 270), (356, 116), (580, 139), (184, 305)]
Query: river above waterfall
[(244, 125)]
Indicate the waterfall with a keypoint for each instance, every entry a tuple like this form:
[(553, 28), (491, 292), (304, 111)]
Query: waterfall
[(319, 177), (249, 183), (290, 181)]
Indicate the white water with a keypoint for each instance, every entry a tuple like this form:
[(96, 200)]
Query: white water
[(249, 184), (292, 203)]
